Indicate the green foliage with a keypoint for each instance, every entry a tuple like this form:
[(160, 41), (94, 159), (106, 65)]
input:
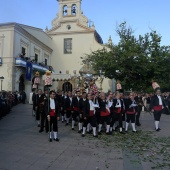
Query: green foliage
[(134, 61)]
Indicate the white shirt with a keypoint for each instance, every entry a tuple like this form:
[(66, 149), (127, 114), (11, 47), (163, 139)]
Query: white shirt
[(133, 104), (92, 105), (118, 104), (160, 100), (70, 100), (52, 104)]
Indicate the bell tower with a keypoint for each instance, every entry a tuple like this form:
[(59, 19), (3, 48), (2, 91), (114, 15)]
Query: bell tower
[(69, 11), (69, 8)]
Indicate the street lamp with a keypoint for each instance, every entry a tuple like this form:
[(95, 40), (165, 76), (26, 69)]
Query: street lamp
[(1, 78)]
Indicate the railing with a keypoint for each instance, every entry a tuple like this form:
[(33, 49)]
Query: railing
[(36, 66)]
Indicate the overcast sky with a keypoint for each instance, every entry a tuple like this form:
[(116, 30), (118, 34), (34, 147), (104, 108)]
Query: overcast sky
[(141, 15)]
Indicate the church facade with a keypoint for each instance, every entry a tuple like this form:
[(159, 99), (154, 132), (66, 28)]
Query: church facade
[(59, 48)]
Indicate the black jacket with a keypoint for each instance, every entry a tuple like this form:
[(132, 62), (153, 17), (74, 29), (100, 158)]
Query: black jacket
[(102, 105), (127, 103), (48, 109), (155, 101), (114, 109), (67, 103), (75, 102), (86, 108)]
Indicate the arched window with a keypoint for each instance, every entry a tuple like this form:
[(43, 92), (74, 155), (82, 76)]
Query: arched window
[(73, 9), (65, 11)]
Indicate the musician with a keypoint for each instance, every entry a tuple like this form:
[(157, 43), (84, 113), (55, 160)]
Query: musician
[(59, 99), (82, 104), (104, 112), (35, 105), (139, 101), (165, 97), (157, 107), (117, 108), (63, 114), (75, 106), (68, 107), (130, 109), (95, 99), (41, 108), (89, 115), (52, 112), (122, 98), (112, 125)]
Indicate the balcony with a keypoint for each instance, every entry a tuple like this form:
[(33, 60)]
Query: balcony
[(21, 62)]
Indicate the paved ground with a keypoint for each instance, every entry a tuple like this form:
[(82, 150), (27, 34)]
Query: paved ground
[(23, 148)]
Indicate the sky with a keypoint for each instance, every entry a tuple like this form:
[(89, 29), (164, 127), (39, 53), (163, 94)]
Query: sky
[(142, 15)]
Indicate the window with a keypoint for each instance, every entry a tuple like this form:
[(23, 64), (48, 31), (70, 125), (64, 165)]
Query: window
[(36, 57), (65, 10), (23, 51), (73, 9), (67, 45)]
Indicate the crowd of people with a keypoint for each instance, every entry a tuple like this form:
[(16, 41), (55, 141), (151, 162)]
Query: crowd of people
[(9, 99), (96, 113)]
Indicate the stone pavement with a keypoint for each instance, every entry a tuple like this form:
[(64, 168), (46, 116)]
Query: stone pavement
[(22, 147)]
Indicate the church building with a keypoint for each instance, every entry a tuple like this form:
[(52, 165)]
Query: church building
[(59, 49)]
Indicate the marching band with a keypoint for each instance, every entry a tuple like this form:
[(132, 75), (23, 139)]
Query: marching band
[(94, 113)]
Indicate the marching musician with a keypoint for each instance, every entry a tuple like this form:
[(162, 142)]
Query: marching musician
[(89, 115), (82, 104), (35, 105), (75, 106), (139, 101), (68, 107), (157, 107), (41, 108), (52, 112), (117, 108), (130, 109), (63, 114), (104, 112)]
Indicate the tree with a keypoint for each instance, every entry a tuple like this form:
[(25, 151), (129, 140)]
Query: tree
[(133, 61)]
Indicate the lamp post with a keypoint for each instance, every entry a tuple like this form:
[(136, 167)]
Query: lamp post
[(1, 78)]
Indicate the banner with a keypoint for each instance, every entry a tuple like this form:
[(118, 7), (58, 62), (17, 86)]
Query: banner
[(28, 71)]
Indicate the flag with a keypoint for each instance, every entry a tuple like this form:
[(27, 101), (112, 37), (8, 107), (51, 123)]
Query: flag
[(28, 71)]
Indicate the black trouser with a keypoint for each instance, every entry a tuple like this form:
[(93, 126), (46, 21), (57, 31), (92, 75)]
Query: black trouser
[(23, 101), (137, 117), (37, 115), (116, 117), (62, 112), (97, 114), (68, 113), (81, 118), (105, 119), (157, 114), (75, 114), (138, 114), (43, 118), (130, 117), (54, 122), (90, 119), (123, 116)]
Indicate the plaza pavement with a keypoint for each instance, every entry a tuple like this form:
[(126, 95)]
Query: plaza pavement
[(22, 147)]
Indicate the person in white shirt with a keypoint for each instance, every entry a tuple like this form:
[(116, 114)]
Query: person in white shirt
[(52, 112), (89, 115), (157, 106)]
